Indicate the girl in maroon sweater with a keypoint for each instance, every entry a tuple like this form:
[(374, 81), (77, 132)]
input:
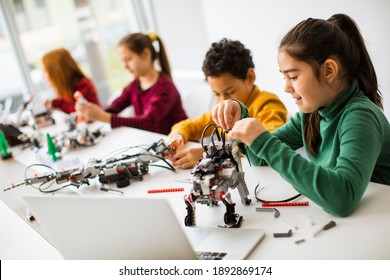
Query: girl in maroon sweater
[(156, 101), (66, 78)]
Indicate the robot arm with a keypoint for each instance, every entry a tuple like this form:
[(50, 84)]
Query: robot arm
[(120, 169)]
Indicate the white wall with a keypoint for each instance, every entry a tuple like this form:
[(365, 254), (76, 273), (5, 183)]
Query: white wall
[(260, 25)]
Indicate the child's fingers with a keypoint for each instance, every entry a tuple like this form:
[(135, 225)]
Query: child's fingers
[(229, 117)]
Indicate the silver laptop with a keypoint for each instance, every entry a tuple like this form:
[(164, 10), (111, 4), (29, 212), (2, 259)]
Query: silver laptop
[(132, 228)]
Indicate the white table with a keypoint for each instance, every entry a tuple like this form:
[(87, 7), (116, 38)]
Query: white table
[(363, 235)]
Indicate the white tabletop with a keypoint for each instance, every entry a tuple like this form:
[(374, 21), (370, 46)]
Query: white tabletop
[(362, 235)]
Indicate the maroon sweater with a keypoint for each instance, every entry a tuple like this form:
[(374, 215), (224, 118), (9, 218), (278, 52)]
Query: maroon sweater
[(156, 109), (86, 88)]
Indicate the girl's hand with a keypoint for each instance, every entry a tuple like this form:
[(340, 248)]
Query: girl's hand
[(92, 112), (226, 113), (187, 158), (246, 130), (48, 104)]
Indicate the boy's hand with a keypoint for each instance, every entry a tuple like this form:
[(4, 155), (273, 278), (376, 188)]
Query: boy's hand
[(226, 113), (187, 158)]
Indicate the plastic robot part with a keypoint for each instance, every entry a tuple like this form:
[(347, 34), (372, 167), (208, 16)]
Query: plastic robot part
[(277, 204), (283, 234), (119, 170), (189, 181), (165, 150), (276, 212), (166, 190), (325, 227), (78, 137), (29, 215), (259, 209), (111, 190), (218, 171), (299, 241)]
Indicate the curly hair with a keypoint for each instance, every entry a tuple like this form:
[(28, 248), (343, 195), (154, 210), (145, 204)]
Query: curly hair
[(227, 56)]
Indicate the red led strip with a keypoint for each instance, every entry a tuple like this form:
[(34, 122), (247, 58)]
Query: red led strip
[(166, 190), (278, 204)]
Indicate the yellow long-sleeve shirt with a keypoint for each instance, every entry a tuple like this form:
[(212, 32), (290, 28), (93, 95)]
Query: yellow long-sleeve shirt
[(263, 105)]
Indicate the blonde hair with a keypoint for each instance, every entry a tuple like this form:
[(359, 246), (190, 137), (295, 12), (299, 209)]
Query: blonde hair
[(63, 72)]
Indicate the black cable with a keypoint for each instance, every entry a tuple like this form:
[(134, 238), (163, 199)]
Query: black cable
[(212, 138), (224, 138), (202, 137), (273, 201), (162, 166), (170, 167)]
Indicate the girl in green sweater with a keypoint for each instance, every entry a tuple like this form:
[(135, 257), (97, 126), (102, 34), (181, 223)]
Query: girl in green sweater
[(346, 136)]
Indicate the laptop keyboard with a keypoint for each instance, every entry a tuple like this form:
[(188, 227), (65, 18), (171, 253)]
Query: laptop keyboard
[(210, 255)]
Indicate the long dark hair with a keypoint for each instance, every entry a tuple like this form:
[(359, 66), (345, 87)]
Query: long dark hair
[(314, 41), (137, 42)]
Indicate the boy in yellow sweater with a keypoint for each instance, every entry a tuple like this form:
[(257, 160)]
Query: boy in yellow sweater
[(229, 70)]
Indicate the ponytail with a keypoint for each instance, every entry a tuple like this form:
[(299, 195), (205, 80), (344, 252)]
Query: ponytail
[(137, 42), (163, 58), (359, 61), (315, 40)]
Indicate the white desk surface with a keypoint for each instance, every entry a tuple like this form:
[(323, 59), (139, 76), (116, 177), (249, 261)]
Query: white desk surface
[(362, 235)]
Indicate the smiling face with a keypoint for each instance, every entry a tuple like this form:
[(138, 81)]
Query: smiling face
[(226, 86), (308, 91)]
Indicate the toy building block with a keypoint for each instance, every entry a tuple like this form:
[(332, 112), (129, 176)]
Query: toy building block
[(283, 234), (4, 146), (51, 148)]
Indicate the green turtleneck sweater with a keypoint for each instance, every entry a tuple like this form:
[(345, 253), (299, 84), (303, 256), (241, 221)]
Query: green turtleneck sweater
[(355, 149)]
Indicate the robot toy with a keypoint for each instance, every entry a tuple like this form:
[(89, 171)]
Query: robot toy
[(38, 117), (78, 138), (213, 176), (118, 169)]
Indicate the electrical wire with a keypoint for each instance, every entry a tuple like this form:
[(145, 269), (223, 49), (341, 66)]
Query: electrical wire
[(202, 137), (273, 201), (40, 187), (45, 187), (170, 167)]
